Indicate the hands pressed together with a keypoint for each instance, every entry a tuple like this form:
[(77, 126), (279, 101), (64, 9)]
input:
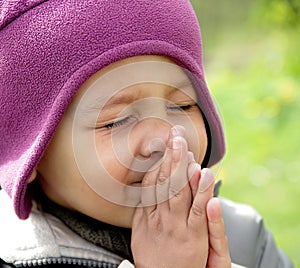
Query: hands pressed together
[(179, 223)]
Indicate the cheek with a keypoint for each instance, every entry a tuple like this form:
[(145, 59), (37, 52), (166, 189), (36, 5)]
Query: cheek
[(111, 158), (58, 161), (197, 137), (202, 143)]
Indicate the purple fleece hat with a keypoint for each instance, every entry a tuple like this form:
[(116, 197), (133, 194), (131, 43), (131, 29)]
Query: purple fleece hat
[(48, 49)]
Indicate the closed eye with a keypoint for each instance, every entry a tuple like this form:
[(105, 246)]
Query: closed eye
[(117, 123), (180, 107)]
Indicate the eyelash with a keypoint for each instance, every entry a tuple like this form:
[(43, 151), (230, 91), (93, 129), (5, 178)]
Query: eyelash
[(118, 123), (125, 120), (181, 107)]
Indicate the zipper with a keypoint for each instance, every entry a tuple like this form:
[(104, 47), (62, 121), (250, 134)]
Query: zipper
[(67, 261)]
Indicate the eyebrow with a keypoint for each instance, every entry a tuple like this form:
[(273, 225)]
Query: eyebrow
[(121, 99), (130, 96)]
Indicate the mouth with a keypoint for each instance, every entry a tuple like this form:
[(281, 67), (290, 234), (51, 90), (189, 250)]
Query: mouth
[(136, 184)]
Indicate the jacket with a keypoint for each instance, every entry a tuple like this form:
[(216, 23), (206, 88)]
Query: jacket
[(44, 241)]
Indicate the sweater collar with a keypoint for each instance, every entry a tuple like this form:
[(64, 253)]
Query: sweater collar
[(112, 238)]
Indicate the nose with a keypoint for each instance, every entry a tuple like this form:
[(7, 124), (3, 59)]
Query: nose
[(152, 137), (156, 146), (148, 140)]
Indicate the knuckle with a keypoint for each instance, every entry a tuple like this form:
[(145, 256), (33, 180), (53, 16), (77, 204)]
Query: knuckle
[(156, 222), (198, 211), (174, 192), (147, 180), (162, 178)]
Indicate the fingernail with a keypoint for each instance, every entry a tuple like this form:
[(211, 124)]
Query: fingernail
[(177, 143), (192, 169), (191, 158), (177, 131), (207, 179)]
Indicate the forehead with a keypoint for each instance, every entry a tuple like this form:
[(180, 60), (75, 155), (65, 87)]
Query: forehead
[(109, 83)]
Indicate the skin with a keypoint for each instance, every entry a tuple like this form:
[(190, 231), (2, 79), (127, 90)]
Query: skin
[(154, 184), (171, 233)]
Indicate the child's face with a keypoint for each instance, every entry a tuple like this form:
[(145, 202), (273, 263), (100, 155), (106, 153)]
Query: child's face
[(114, 132)]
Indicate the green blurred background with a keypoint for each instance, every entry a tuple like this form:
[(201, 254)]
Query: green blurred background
[(252, 63)]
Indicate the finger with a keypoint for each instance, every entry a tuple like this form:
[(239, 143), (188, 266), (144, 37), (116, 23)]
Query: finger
[(194, 174), (148, 193), (178, 130), (191, 157), (217, 235), (137, 216), (179, 191), (164, 174), (219, 250), (197, 217)]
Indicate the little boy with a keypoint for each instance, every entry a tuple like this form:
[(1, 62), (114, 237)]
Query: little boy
[(106, 118)]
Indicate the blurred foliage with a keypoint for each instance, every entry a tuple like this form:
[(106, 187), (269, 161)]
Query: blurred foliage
[(252, 62), (282, 13)]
